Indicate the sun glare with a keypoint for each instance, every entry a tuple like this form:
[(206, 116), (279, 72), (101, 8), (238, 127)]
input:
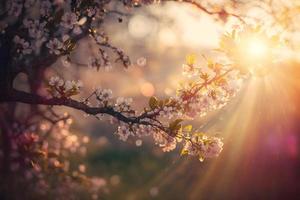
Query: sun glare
[(256, 48), (255, 53)]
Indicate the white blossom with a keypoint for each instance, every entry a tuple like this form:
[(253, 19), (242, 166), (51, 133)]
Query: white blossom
[(65, 37), (189, 70), (143, 130), (36, 29), (77, 30), (167, 112), (15, 7), (104, 95), (123, 132), (56, 81), (22, 46), (68, 20), (91, 11), (123, 104), (72, 85), (55, 46), (203, 146), (100, 39), (45, 7), (166, 142), (59, 87), (29, 3)]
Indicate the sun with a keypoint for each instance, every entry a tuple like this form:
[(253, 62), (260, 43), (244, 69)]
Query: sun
[(256, 48), (256, 55)]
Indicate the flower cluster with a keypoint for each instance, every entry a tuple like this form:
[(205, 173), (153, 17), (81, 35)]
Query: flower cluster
[(162, 139), (37, 32), (41, 150), (165, 141), (55, 28), (55, 46), (36, 29), (124, 132), (167, 112), (45, 8), (123, 104), (61, 88), (70, 22), (214, 86), (202, 146), (23, 46), (14, 7), (103, 96), (189, 67)]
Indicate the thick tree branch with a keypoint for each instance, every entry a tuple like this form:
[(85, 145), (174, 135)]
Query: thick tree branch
[(29, 98)]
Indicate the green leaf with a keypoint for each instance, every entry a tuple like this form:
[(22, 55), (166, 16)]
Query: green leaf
[(175, 125), (188, 128), (167, 101), (161, 103), (153, 102), (184, 152), (70, 45), (190, 59)]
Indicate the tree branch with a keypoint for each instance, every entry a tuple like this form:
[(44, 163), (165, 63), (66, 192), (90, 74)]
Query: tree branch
[(29, 98), (209, 12)]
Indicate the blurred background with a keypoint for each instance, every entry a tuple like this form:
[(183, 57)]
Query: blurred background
[(260, 127)]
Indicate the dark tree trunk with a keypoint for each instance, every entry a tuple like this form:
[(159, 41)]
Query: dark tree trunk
[(6, 113), (6, 71)]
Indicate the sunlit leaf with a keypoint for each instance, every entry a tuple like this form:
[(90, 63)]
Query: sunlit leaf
[(191, 59), (184, 152), (153, 102), (188, 128)]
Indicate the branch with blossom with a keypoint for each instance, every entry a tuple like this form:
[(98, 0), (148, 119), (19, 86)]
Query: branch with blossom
[(162, 118), (35, 34), (49, 36)]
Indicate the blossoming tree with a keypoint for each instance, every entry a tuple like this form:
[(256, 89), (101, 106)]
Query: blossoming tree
[(36, 33)]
